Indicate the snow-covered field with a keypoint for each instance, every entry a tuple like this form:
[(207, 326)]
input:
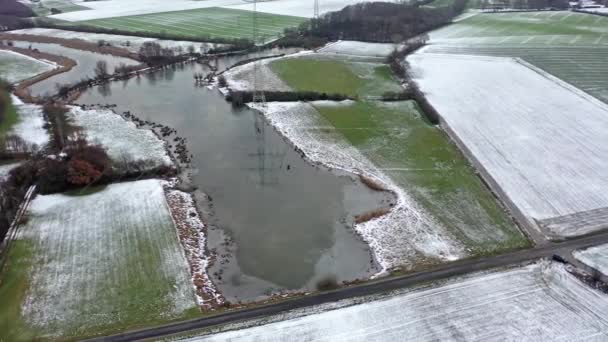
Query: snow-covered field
[(298, 8), (126, 144), (399, 238), (105, 259), (15, 67), (544, 142), (121, 8), (596, 257), (242, 77), (134, 43), (30, 126), (354, 48), (539, 302), (5, 169), (602, 10)]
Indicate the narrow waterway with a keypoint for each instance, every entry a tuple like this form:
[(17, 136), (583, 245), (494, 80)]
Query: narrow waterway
[(85, 67), (278, 222)]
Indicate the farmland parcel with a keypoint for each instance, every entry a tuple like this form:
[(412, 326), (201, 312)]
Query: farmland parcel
[(571, 46), (541, 302), (209, 22), (545, 144), (96, 262)]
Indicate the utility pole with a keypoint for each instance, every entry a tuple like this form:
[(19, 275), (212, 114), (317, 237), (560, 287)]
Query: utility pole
[(269, 163), (316, 14)]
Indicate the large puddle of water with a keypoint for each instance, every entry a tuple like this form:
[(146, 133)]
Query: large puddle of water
[(277, 221), (85, 67)]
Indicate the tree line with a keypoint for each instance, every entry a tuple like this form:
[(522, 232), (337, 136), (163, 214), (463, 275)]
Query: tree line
[(382, 22)]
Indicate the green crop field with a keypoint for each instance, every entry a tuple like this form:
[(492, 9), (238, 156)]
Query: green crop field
[(419, 158), (8, 113), (571, 46), (527, 28), (95, 263), (200, 23), (357, 79)]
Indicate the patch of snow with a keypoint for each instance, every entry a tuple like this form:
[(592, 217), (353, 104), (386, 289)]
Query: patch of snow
[(192, 233), (399, 238), (545, 143), (15, 67), (115, 40), (596, 10), (30, 126), (102, 258), (5, 169), (126, 144), (241, 77), (355, 48), (531, 303), (595, 257)]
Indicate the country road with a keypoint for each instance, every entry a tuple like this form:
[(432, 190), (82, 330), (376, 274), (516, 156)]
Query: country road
[(374, 287)]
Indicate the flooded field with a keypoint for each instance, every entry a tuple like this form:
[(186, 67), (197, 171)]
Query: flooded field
[(277, 221), (85, 67)]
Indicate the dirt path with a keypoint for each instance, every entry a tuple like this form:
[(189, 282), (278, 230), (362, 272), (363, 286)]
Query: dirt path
[(21, 90), (77, 44)]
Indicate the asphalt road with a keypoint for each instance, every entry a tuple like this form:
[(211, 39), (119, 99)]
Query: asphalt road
[(370, 288)]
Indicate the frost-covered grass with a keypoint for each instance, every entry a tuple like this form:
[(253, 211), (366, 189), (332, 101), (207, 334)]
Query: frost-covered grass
[(526, 28), (242, 77), (420, 159), (96, 263), (126, 144), (29, 124), (43, 7), (15, 67), (540, 302), (211, 22), (585, 67), (131, 43), (357, 79), (571, 46), (5, 169), (407, 236), (596, 257), (543, 143)]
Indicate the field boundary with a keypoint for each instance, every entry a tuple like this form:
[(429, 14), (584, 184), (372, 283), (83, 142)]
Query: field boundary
[(12, 231)]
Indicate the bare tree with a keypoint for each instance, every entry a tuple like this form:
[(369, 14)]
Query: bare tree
[(101, 69)]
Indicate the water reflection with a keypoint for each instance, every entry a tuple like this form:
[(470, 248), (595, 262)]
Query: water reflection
[(278, 222)]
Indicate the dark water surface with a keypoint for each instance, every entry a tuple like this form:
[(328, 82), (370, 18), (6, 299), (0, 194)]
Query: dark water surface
[(278, 222)]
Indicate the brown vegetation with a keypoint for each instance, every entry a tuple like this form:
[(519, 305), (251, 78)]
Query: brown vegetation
[(370, 215), (327, 284), (372, 184), (77, 44)]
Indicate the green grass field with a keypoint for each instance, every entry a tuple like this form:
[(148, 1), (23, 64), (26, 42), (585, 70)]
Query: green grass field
[(419, 158), (95, 263), (527, 28), (571, 46), (200, 23), (8, 114), (356, 79)]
